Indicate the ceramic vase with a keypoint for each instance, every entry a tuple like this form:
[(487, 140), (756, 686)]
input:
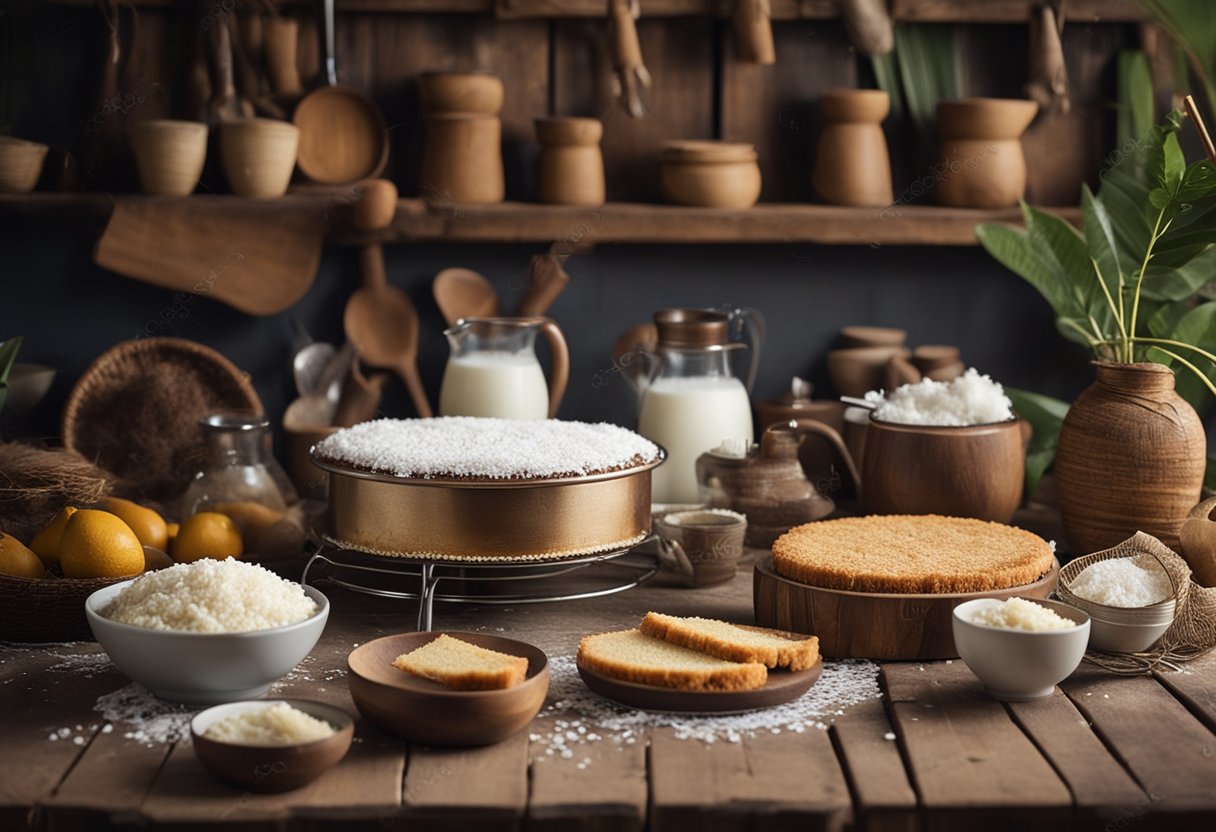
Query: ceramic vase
[(1131, 458), (982, 164)]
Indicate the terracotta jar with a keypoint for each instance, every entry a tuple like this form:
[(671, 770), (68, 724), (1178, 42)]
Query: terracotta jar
[(571, 164), (982, 164), (462, 158), (710, 174), (1131, 458), (852, 166)]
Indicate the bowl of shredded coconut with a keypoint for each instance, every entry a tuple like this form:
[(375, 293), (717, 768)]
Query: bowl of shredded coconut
[(1130, 599), (207, 632), (1020, 648), (953, 448)]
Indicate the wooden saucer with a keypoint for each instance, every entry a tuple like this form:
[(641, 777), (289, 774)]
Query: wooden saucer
[(782, 686), (872, 625)]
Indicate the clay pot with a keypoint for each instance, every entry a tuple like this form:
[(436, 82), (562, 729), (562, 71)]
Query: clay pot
[(1130, 458), (169, 155), (258, 155), (1198, 537), (974, 471), (939, 362), (872, 336), (982, 164), (477, 93), (462, 158), (709, 174), (852, 165), (571, 164), (20, 164), (857, 370)]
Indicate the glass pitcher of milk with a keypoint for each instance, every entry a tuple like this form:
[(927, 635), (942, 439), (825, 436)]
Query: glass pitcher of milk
[(690, 398), (493, 370)]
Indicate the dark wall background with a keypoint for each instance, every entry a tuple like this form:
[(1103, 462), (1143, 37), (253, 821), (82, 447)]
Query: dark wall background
[(70, 311)]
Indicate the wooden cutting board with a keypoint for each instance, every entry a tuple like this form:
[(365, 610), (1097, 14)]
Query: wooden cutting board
[(871, 625), (256, 256)]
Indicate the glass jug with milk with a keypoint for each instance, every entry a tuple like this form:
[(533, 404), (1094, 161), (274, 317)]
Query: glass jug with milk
[(493, 370), (690, 398)]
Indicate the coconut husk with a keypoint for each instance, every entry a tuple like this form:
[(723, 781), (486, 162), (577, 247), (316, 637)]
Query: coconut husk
[(1193, 632), (35, 483)]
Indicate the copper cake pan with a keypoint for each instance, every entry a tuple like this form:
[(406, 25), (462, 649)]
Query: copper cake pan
[(471, 520)]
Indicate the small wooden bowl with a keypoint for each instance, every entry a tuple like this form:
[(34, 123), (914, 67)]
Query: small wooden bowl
[(420, 710), (20, 164), (857, 370), (169, 155), (460, 92), (258, 156), (272, 768), (705, 174)]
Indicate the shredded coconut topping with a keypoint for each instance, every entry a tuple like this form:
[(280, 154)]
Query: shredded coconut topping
[(1123, 582), (496, 449), (970, 399)]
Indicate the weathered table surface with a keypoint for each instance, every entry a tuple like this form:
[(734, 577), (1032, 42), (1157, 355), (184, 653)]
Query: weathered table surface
[(934, 752)]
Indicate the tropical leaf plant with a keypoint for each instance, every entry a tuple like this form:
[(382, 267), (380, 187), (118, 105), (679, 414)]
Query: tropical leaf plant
[(1130, 283)]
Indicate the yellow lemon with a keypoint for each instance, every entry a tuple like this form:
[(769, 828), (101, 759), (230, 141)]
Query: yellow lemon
[(97, 544), (148, 526), (16, 559), (46, 543), (207, 534), (155, 559)]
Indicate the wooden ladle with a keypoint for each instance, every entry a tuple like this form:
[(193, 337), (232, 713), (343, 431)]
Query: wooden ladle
[(463, 293), (380, 320)]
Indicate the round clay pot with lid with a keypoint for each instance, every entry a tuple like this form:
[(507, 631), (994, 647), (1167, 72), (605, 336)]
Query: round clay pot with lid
[(710, 174), (479, 93), (571, 163), (982, 164), (852, 165)]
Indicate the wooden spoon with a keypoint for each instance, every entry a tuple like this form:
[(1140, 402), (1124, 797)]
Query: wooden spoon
[(360, 398), (380, 320), (549, 280), (463, 293)]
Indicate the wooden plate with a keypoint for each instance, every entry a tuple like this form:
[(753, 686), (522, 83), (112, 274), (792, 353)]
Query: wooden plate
[(871, 625), (782, 686), (423, 711)]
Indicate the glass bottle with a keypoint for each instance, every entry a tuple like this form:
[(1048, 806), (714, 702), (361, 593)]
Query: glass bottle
[(237, 470)]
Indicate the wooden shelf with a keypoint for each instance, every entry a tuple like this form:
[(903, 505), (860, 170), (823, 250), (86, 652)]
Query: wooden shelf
[(922, 11), (573, 228)]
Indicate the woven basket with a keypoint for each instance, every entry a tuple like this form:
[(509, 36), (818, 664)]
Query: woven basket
[(40, 610), (135, 411)]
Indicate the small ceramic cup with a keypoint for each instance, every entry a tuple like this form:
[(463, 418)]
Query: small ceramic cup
[(20, 164), (702, 546), (169, 155), (258, 156)]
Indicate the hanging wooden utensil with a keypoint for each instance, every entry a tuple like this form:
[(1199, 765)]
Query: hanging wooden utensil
[(1048, 84), (753, 22), (225, 104), (280, 40), (869, 25), (463, 293), (247, 41), (548, 281), (343, 135), (632, 78)]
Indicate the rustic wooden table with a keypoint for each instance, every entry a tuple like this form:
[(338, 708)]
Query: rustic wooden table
[(934, 752)]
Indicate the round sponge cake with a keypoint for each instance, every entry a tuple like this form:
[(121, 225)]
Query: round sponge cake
[(911, 554)]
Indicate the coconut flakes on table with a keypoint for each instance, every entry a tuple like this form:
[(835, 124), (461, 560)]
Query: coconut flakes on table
[(144, 718), (575, 717), (970, 399), (484, 448)]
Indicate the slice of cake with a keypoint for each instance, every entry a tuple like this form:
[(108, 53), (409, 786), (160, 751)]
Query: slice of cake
[(735, 642), (463, 666), (911, 554), (633, 656)]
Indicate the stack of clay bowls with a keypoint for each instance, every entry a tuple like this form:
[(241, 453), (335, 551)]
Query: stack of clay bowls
[(861, 363), (462, 148)]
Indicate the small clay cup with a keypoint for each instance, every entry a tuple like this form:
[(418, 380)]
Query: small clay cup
[(258, 156), (708, 174), (462, 158), (702, 546), (169, 155), (571, 163), (20, 164), (477, 93)]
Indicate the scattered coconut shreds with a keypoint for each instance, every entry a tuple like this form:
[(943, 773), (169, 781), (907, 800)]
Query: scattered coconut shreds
[(81, 665), (578, 717), (144, 718)]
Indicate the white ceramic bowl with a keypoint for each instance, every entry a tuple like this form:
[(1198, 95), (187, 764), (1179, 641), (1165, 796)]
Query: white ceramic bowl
[(1020, 665), (204, 668), (1112, 637)]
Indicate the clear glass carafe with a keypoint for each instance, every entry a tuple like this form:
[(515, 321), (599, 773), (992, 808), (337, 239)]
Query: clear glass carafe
[(690, 399), (237, 476), (493, 369)]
